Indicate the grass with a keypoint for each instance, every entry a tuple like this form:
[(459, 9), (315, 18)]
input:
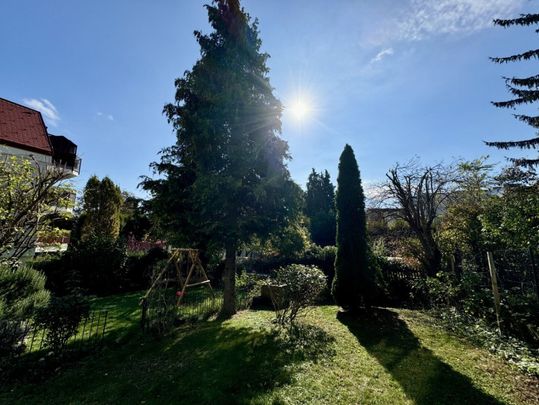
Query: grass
[(390, 357)]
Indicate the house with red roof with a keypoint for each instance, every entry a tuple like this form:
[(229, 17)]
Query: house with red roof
[(23, 133)]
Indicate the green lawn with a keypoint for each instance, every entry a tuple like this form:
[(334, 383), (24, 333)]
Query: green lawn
[(391, 357)]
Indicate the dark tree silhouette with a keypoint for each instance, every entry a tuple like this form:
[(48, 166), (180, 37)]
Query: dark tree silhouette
[(320, 208), (354, 278), (525, 90)]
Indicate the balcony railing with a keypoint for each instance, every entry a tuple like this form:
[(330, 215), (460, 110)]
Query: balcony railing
[(71, 165)]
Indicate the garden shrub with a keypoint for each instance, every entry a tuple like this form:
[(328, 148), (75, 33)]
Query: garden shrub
[(61, 278), (298, 287), (138, 269), (22, 293), (471, 296), (99, 264), (321, 257), (247, 288), (61, 319)]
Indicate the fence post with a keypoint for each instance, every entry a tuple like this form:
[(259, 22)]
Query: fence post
[(535, 272), (495, 291)]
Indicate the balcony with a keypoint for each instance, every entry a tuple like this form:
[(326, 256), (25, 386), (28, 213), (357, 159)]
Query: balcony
[(71, 165), (65, 155)]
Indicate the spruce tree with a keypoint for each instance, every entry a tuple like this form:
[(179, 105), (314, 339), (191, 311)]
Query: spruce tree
[(225, 180), (353, 282), (525, 90)]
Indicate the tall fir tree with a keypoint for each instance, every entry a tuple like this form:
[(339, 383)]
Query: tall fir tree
[(225, 180), (354, 279), (525, 90), (320, 208)]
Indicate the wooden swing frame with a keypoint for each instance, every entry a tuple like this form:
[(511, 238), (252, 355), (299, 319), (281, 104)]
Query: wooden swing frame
[(178, 257)]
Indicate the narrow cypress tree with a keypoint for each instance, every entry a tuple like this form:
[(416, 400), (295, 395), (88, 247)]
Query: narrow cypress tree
[(353, 280), (525, 90)]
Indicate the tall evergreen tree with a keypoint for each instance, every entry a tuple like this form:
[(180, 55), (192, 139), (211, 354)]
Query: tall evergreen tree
[(354, 278), (101, 205), (320, 208), (525, 90), (225, 180)]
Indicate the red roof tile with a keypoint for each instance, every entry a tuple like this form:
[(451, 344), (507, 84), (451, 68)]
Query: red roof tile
[(23, 127)]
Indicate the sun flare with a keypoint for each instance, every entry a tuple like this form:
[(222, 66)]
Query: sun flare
[(300, 109)]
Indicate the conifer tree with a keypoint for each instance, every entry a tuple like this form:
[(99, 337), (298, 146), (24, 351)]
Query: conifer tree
[(102, 202), (320, 208), (354, 280), (225, 180), (525, 90)]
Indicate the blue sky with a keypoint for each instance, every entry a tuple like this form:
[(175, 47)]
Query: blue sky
[(393, 78)]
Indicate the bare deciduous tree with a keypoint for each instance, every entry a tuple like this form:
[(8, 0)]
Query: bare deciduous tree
[(420, 193)]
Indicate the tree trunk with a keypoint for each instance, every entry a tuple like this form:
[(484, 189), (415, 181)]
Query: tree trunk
[(433, 256), (229, 282)]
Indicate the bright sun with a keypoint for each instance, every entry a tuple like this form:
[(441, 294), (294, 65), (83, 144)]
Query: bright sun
[(300, 109)]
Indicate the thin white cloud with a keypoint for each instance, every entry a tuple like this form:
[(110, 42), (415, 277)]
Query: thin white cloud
[(45, 107), (110, 117), (382, 54), (423, 19)]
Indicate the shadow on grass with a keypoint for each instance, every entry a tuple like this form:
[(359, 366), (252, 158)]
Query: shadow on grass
[(239, 364), (206, 363), (422, 375)]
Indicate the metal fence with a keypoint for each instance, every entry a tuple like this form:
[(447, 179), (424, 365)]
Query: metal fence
[(28, 337), (517, 270)]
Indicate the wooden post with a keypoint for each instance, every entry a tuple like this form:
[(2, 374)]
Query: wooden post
[(495, 291)]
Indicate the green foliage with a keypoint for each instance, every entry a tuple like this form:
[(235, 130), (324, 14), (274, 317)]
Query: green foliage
[(483, 334), (289, 241), (320, 208), (98, 263), (101, 204), (322, 258), (226, 173), (248, 286), (460, 227), (61, 319), (99, 266), (296, 287), (354, 276), (511, 220), (22, 293), (135, 218), (27, 194), (395, 283), (471, 297), (138, 269)]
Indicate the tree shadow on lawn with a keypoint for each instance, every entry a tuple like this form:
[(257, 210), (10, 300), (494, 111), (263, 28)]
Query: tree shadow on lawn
[(238, 364), (423, 376), (207, 363)]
